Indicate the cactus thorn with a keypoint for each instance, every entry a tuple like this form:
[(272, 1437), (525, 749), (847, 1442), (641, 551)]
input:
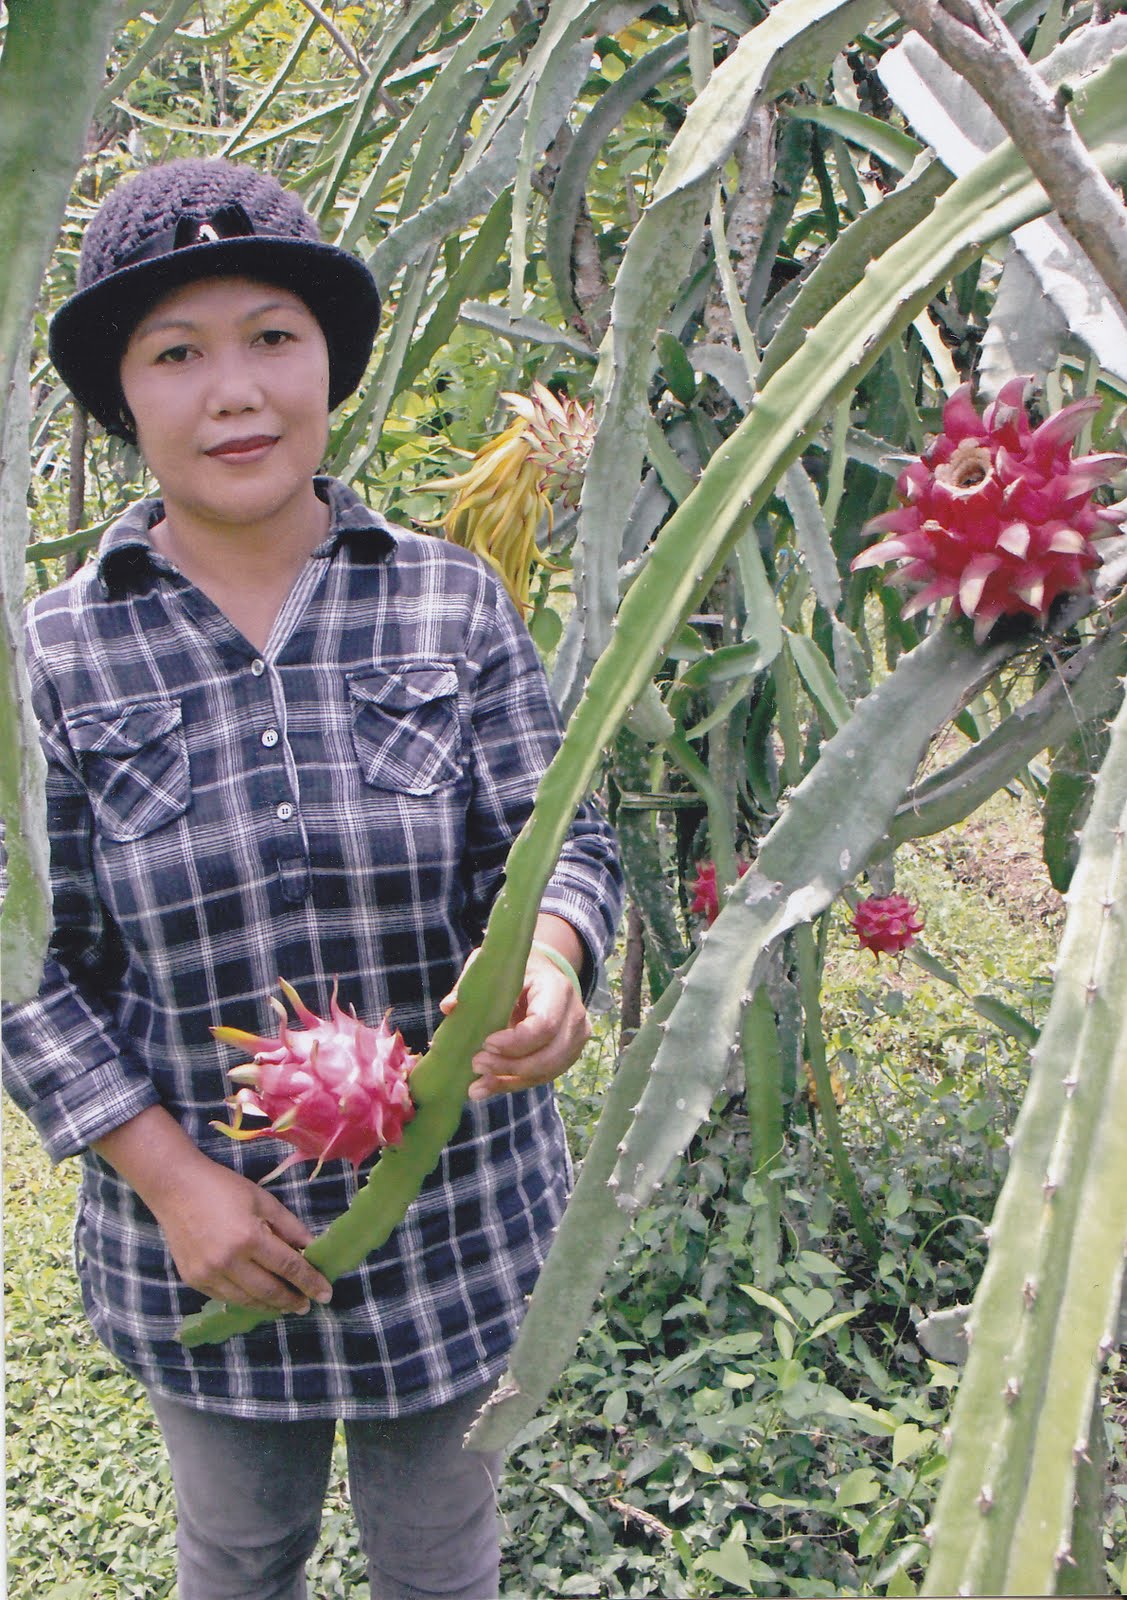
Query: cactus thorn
[(928, 1533), (1064, 1557), (986, 1236), (612, 1181), (621, 1147), (945, 1440), (1029, 1293), (1049, 1187), (1105, 1347), (1070, 1085), (1080, 1452), (986, 1499), (1012, 1391), (1091, 990)]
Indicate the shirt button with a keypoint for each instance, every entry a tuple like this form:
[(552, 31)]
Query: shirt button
[(270, 738), (285, 811), (258, 666)]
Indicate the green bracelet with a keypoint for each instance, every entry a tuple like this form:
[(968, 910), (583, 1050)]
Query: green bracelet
[(561, 962)]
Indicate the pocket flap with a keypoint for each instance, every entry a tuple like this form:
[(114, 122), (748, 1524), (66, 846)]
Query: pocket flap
[(404, 688), (123, 730)]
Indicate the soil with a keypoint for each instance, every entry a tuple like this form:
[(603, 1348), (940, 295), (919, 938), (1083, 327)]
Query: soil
[(1001, 856)]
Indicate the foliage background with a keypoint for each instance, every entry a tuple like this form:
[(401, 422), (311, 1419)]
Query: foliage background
[(746, 1414)]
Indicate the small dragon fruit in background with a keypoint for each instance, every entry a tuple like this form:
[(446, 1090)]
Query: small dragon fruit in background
[(706, 897), (887, 924), (998, 516), (334, 1089)]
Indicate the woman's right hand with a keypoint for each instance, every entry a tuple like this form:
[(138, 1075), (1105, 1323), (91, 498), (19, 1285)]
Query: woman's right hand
[(228, 1237)]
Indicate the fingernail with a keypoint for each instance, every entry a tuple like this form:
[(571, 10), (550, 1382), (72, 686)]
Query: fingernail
[(323, 1297)]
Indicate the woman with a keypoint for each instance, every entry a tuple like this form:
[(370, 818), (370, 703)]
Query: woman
[(284, 739)]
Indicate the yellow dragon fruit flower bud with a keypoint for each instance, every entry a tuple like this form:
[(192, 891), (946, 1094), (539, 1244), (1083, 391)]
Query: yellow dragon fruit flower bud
[(512, 480)]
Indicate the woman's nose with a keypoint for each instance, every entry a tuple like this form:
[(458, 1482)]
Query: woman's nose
[(234, 386)]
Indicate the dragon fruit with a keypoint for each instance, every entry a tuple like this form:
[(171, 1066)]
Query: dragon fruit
[(887, 924), (998, 516), (334, 1089), (706, 897)]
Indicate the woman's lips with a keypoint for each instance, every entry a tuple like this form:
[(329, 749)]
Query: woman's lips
[(250, 448)]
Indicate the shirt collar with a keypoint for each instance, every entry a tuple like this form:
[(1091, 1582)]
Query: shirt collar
[(126, 550)]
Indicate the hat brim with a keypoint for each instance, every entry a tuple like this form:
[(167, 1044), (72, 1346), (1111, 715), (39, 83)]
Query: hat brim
[(89, 332)]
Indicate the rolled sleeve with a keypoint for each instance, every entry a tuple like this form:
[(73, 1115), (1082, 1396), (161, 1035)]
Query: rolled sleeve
[(65, 1064)]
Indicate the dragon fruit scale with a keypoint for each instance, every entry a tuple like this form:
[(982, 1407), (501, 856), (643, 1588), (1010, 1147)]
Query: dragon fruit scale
[(997, 516), (886, 924), (334, 1088)]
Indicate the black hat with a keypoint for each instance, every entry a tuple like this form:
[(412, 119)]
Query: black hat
[(185, 220)]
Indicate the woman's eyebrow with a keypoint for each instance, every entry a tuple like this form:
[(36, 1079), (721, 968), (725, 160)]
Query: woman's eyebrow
[(186, 325)]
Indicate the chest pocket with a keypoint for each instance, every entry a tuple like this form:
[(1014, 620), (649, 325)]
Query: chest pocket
[(405, 728), (134, 761)]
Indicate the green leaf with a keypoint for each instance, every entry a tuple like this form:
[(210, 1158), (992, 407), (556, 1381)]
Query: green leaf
[(676, 368), (857, 1488), (769, 1301)]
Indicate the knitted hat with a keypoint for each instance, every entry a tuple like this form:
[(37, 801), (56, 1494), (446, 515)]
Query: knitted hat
[(186, 220)]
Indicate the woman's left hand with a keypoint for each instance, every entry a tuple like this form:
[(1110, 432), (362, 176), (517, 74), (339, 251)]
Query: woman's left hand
[(546, 1033)]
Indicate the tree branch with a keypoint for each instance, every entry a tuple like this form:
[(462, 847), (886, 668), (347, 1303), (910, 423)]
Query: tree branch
[(972, 39)]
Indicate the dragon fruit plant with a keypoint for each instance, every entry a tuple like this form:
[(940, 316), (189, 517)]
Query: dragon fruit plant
[(998, 516), (886, 924), (334, 1089)]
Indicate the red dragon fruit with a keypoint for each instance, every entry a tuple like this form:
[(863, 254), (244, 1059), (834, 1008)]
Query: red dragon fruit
[(887, 924), (334, 1089), (998, 516), (706, 896)]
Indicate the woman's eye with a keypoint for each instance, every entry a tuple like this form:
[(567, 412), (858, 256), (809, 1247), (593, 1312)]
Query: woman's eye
[(175, 355), (272, 337)]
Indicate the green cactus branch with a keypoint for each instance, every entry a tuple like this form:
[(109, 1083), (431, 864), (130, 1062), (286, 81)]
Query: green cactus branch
[(1044, 1313), (63, 43)]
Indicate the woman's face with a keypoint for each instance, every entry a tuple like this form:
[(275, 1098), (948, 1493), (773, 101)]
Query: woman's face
[(228, 383)]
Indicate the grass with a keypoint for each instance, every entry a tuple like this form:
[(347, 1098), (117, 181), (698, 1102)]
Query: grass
[(701, 1443)]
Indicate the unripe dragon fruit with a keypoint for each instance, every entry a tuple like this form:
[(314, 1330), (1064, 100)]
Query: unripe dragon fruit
[(887, 924), (333, 1089), (998, 516), (706, 897)]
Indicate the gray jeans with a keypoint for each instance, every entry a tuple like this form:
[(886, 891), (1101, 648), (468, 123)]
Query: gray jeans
[(249, 1496)]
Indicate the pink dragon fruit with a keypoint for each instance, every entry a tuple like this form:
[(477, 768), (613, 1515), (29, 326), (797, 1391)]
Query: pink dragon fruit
[(334, 1089), (998, 516), (706, 897), (887, 924)]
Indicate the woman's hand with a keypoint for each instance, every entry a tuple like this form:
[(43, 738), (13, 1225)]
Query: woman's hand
[(549, 1025), (228, 1237), (234, 1241)]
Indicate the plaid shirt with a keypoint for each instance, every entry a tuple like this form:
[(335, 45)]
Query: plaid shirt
[(339, 806)]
